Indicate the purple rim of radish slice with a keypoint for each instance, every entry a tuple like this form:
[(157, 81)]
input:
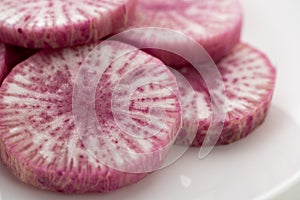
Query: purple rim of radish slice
[(39, 141), (58, 23), (249, 80), (215, 24), (3, 66)]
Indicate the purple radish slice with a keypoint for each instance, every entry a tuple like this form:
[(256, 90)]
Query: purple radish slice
[(3, 66), (215, 24), (38, 138), (58, 23), (249, 80)]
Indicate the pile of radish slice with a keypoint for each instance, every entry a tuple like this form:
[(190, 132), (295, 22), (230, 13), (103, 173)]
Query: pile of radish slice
[(91, 100)]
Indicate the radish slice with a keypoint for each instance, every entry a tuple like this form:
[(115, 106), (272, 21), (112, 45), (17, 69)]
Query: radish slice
[(215, 24), (58, 23), (249, 80), (45, 143), (3, 66)]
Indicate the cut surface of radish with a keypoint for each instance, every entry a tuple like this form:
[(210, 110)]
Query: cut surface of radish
[(3, 66), (215, 24), (46, 144), (59, 23), (249, 80)]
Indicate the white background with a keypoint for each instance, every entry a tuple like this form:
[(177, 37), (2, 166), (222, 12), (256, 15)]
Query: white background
[(274, 26)]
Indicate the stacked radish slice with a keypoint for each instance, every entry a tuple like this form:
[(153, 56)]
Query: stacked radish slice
[(87, 115), (249, 81), (58, 23), (39, 140), (215, 24)]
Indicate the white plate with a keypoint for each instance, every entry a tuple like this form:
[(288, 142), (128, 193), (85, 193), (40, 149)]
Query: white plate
[(260, 166)]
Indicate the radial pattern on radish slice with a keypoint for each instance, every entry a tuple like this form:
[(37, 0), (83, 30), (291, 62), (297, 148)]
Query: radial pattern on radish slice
[(215, 24), (60, 23), (249, 80), (39, 141), (3, 66)]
